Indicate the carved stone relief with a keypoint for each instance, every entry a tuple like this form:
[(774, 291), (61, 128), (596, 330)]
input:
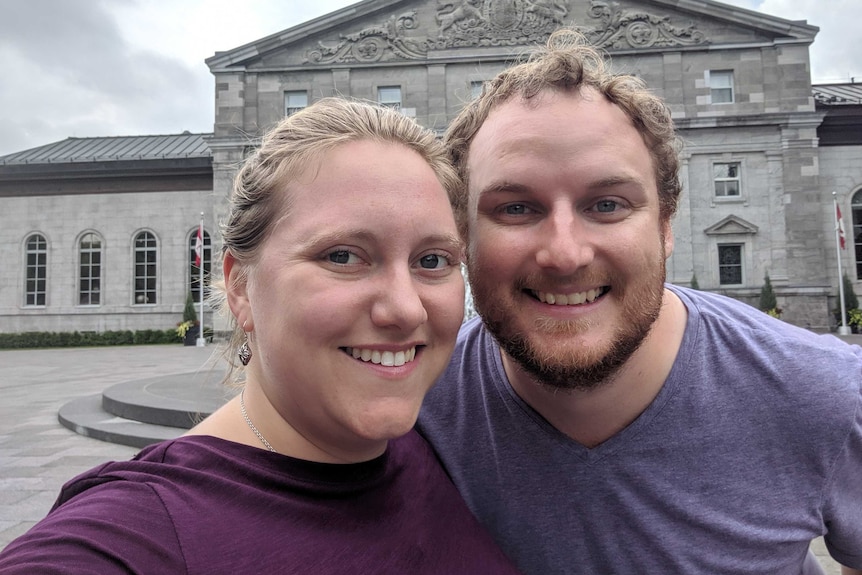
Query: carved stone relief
[(474, 23), (620, 28), (374, 44), (467, 23)]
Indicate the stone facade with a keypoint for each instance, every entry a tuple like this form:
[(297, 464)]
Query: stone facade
[(434, 51), (111, 190)]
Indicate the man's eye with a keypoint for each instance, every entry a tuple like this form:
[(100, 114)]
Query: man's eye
[(342, 257), (433, 261), (515, 209), (606, 206)]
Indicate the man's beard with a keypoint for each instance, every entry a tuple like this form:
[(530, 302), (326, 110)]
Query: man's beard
[(566, 367)]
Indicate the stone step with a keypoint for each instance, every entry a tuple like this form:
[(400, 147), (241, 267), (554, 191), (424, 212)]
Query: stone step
[(145, 411)]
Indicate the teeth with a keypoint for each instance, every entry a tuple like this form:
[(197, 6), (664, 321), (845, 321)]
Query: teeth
[(387, 358), (568, 299)]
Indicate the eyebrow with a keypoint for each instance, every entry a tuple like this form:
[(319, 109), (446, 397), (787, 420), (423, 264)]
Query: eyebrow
[(504, 187), (507, 187), (452, 241)]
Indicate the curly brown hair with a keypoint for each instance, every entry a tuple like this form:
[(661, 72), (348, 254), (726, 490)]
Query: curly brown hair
[(566, 64)]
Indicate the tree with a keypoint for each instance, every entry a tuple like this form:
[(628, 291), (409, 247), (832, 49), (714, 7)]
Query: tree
[(767, 295), (189, 313), (694, 284)]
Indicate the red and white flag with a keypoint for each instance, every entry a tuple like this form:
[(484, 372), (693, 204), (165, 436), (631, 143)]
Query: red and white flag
[(840, 227), (199, 246)]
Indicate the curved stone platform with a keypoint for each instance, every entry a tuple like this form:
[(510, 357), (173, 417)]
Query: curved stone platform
[(145, 411)]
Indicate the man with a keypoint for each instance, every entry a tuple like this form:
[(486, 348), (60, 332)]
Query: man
[(598, 420)]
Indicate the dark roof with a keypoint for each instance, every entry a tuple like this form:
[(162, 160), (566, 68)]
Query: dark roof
[(837, 94), (75, 150)]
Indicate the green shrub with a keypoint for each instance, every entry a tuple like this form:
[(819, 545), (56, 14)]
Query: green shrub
[(850, 300), (45, 339)]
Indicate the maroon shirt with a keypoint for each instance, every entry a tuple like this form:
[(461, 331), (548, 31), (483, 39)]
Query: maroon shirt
[(204, 505)]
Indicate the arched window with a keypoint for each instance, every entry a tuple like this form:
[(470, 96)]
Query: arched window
[(205, 262), (856, 208), (36, 274), (146, 255), (90, 270)]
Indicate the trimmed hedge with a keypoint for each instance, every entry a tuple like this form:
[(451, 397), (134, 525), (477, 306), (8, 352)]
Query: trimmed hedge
[(38, 339)]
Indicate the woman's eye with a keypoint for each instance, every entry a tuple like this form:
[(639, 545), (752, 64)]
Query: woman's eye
[(433, 261), (342, 257)]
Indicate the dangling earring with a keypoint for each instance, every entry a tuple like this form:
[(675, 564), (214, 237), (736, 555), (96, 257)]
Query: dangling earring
[(244, 352)]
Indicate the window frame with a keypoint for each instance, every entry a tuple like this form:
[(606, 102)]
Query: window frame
[(90, 278), (290, 110), (855, 238), (726, 179), (721, 90), (36, 273), (388, 102), (476, 88), (150, 281), (740, 265)]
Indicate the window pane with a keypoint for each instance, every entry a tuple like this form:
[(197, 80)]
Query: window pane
[(730, 265), (295, 101), (389, 96), (721, 86), (726, 179), (723, 96), (145, 269), (36, 271), (476, 89)]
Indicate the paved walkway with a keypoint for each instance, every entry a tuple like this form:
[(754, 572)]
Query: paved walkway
[(38, 455)]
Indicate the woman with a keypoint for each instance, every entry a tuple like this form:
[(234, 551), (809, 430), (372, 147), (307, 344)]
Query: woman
[(341, 276)]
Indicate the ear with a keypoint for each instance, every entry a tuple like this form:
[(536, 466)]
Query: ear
[(667, 232), (236, 286)]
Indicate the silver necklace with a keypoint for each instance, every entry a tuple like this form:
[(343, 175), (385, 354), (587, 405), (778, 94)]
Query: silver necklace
[(250, 424)]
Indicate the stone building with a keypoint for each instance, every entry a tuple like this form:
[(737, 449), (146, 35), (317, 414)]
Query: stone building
[(97, 234), (758, 180)]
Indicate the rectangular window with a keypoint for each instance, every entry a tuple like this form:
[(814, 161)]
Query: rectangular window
[(476, 89), (389, 96), (37, 271), (721, 86), (725, 177), (90, 270), (730, 264), (295, 101), (145, 268)]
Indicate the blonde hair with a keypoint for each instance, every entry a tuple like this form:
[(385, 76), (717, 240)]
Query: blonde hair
[(567, 63), (261, 189)]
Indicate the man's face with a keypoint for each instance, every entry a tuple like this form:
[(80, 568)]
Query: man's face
[(566, 251)]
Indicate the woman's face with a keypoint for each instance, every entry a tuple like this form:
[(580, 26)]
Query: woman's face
[(355, 301)]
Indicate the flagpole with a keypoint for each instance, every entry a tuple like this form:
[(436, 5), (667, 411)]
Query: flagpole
[(843, 329), (201, 341)]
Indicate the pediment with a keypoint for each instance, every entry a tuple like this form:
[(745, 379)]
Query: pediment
[(731, 225), (390, 31)]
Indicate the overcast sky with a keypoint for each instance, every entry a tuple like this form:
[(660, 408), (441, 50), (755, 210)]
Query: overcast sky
[(136, 67)]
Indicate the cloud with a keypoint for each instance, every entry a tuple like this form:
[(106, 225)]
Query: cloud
[(78, 76), (836, 55)]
